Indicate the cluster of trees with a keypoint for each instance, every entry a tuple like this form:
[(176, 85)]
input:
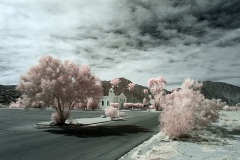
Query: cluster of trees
[(64, 86)]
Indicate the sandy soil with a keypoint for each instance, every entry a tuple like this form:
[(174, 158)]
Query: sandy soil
[(220, 141)]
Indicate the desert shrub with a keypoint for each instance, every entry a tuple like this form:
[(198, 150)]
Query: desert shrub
[(55, 117), (133, 105), (115, 105), (151, 107), (184, 109), (175, 124), (230, 108), (128, 105), (16, 104), (111, 112), (122, 114)]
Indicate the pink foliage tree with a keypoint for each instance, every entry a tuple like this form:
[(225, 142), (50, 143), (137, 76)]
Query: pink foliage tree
[(133, 105), (151, 107), (92, 103), (131, 89), (60, 85), (157, 85), (145, 91), (115, 83), (185, 109), (55, 117)]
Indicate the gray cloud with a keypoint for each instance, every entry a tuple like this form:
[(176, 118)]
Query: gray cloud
[(136, 39)]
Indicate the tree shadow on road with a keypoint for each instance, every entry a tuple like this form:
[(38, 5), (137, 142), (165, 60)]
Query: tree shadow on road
[(98, 131)]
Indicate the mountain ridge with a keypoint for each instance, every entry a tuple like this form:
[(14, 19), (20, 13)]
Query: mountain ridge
[(218, 90)]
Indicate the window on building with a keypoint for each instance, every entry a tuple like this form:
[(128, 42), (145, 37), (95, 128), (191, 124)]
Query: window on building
[(102, 103), (108, 103)]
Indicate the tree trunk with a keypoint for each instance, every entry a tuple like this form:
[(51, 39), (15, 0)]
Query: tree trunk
[(62, 120), (132, 97)]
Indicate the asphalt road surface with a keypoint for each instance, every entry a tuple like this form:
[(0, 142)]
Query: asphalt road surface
[(20, 140)]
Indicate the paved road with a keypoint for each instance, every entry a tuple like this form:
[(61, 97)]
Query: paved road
[(19, 140)]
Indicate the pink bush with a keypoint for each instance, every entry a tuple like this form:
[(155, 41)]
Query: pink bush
[(115, 82), (138, 105), (115, 105), (128, 105), (122, 114), (16, 104), (187, 106), (152, 107), (111, 112), (60, 85), (133, 105), (177, 122), (131, 88), (55, 117)]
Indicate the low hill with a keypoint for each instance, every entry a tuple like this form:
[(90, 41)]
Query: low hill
[(8, 94)]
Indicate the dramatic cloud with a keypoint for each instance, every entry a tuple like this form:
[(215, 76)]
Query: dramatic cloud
[(135, 39)]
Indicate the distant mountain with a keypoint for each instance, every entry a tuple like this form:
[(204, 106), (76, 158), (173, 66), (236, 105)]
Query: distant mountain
[(9, 94), (226, 92)]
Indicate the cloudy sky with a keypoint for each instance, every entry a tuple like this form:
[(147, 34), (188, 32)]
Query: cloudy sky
[(135, 39)]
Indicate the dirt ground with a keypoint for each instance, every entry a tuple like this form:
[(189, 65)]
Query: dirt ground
[(220, 141)]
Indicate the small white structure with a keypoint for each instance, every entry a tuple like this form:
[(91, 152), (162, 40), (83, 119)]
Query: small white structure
[(105, 101)]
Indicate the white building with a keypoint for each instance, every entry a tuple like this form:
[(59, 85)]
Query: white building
[(105, 101)]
